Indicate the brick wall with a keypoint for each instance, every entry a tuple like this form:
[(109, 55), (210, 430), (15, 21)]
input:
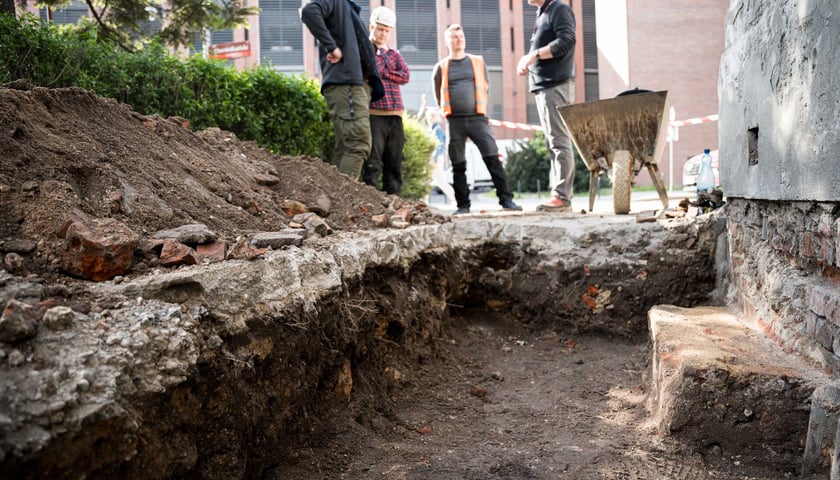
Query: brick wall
[(785, 273)]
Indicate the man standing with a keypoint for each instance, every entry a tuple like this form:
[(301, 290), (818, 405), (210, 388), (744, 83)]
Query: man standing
[(386, 124), (349, 79), (461, 88), (550, 66)]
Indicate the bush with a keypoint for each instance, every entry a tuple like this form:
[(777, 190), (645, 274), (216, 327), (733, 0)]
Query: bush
[(529, 167), (298, 123), (284, 114), (36, 54), (417, 154)]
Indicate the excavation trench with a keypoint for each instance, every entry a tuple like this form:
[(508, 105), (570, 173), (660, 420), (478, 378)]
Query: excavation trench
[(512, 347)]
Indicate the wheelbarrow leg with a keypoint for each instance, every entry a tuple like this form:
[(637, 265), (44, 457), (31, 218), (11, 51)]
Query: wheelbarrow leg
[(653, 170), (593, 187)]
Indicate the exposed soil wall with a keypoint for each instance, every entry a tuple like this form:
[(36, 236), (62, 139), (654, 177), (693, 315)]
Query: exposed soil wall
[(215, 371)]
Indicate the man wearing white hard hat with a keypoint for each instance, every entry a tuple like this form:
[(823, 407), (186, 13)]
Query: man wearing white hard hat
[(386, 124)]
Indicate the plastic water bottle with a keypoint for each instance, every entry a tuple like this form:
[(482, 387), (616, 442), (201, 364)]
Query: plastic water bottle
[(705, 183), (706, 177)]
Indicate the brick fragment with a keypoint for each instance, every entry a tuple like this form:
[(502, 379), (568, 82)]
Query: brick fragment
[(176, 253), (98, 249)]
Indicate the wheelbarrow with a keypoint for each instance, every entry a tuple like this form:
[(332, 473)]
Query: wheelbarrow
[(620, 135)]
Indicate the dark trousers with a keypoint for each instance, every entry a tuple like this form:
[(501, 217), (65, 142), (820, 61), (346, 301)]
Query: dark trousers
[(386, 153), (476, 128)]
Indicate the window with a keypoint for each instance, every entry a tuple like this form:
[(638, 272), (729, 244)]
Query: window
[(483, 30), (216, 36), (590, 51), (529, 16), (71, 14), (281, 33), (417, 31)]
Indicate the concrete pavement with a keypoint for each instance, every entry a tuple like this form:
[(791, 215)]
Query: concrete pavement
[(487, 202)]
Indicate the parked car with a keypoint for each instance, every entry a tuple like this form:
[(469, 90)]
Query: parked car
[(691, 169)]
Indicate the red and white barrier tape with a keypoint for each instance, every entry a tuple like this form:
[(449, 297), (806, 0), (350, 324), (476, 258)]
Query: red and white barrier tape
[(695, 121), (675, 123), (514, 125)]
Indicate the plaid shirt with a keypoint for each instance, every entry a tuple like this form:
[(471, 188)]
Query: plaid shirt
[(394, 72)]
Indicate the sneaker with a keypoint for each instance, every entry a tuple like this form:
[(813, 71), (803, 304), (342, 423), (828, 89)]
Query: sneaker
[(555, 205), (509, 205), (461, 211)]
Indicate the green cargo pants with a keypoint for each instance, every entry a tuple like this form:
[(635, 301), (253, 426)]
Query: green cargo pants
[(349, 107)]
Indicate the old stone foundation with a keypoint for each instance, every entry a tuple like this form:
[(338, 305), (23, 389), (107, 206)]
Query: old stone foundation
[(215, 371)]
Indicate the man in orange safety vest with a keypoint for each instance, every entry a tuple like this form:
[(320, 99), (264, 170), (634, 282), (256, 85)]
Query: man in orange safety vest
[(461, 89)]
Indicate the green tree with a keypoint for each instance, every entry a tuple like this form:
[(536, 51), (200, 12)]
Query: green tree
[(175, 23), (527, 167)]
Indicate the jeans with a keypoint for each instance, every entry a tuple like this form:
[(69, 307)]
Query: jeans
[(557, 139)]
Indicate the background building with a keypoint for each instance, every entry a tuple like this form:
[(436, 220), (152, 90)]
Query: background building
[(672, 45)]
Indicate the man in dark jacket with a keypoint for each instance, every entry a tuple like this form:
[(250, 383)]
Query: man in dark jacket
[(550, 65), (348, 73)]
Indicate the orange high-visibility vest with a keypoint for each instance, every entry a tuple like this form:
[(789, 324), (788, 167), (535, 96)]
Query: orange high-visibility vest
[(481, 85)]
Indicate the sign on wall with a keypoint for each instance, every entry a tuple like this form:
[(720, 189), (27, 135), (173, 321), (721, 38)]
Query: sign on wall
[(230, 50)]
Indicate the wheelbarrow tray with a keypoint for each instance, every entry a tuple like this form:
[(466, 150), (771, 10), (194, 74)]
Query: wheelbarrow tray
[(633, 126)]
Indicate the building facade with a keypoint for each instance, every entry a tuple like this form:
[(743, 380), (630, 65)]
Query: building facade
[(672, 45)]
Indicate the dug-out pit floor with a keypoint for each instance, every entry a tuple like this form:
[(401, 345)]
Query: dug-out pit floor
[(501, 401)]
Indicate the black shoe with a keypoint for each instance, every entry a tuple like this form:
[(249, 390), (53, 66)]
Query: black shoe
[(461, 211), (509, 205)]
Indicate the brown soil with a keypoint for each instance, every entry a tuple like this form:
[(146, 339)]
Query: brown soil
[(494, 399), (67, 153), (501, 401)]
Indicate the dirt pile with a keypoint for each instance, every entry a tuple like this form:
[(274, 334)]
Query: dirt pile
[(68, 154)]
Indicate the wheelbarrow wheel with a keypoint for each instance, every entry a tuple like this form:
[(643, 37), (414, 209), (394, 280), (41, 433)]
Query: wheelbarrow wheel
[(622, 179)]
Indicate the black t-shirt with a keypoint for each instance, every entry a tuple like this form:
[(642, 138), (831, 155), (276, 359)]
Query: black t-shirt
[(461, 86)]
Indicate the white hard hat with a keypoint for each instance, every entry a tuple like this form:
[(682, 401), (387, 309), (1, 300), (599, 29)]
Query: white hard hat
[(384, 16)]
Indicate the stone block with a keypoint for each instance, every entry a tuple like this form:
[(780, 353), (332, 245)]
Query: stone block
[(211, 252), (717, 381), (18, 322), (176, 253), (277, 240)]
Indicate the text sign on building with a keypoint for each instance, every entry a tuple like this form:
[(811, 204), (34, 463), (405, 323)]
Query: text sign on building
[(230, 50)]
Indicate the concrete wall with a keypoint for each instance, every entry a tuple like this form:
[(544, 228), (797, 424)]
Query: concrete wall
[(779, 146), (779, 100)]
